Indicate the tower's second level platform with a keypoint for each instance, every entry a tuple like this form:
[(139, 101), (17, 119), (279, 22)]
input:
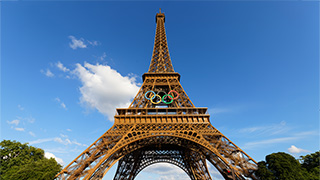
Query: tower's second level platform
[(161, 115)]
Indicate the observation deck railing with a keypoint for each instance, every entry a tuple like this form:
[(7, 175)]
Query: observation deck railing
[(161, 111)]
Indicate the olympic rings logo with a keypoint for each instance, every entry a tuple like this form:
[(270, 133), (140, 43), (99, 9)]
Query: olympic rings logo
[(164, 98)]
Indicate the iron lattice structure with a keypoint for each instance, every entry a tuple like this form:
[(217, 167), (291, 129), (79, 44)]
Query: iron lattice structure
[(161, 125)]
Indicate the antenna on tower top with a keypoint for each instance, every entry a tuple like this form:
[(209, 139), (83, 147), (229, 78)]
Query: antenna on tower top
[(159, 10)]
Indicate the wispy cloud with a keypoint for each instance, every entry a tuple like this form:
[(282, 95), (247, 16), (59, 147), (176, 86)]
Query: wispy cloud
[(26, 119), (19, 129), (47, 72), (93, 43), (81, 43), (274, 141), (64, 141), (294, 150), (69, 130), (308, 133), (62, 104), (30, 119), (32, 134), (219, 110), (62, 67), (39, 141), (268, 129), (15, 122), (102, 57), (77, 43), (63, 135), (20, 107), (267, 142), (104, 88), (231, 108)]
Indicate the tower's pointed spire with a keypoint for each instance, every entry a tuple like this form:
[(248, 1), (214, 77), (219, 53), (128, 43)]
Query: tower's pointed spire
[(160, 62)]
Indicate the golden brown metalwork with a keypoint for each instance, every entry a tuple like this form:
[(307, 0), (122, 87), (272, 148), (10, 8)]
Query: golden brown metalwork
[(155, 129)]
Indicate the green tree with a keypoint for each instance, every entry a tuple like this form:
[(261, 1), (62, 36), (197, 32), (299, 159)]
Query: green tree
[(281, 166), (20, 161), (311, 163)]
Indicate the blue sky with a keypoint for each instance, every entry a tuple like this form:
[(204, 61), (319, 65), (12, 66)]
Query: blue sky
[(66, 66)]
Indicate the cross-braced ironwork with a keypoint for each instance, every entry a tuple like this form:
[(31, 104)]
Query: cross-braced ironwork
[(161, 125)]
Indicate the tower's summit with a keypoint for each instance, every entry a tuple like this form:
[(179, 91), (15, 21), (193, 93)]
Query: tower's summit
[(160, 15), (160, 61)]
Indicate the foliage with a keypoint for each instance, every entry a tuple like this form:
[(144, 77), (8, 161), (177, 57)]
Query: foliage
[(283, 166), (20, 161), (311, 163)]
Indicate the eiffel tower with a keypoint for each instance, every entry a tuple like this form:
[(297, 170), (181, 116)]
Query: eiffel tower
[(161, 125)]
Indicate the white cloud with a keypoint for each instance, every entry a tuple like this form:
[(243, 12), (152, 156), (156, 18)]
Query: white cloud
[(19, 129), (49, 155), (77, 43), (48, 73), (69, 130), (62, 67), (32, 134), (167, 171), (15, 122), (294, 150), (104, 88)]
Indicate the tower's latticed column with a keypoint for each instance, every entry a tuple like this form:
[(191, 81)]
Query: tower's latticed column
[(161, 125)]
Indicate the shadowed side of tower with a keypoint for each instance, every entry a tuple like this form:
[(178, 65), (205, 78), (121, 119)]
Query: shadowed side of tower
[(161, 125)]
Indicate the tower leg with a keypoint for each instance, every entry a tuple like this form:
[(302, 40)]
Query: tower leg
[(197, 164), (128, 166)]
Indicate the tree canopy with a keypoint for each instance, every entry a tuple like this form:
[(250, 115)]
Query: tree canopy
[(311, 163), (21, 161), (283, 166)]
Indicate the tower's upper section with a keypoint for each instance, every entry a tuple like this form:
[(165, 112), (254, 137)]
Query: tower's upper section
[(160, 62)]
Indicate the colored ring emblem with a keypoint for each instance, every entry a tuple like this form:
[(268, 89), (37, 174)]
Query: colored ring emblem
[(152, 97), (158, 98), (171, 97)]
